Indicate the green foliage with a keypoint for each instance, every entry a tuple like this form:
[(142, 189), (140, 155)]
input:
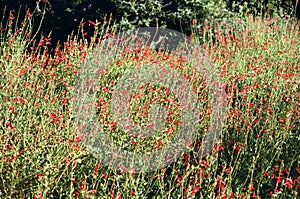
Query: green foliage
[(172, 14), (139, 13), (271, 7)]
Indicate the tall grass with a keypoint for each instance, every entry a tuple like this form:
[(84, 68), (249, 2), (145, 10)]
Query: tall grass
[(42, 155)]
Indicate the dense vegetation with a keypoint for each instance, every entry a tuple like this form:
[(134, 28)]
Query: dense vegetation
[(42, 154)]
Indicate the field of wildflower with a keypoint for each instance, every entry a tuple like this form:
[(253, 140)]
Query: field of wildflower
[(256, 156)]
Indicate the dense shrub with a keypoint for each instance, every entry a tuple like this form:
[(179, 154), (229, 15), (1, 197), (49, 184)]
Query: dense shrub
[(265, 7), (173, 14), (42, 154)]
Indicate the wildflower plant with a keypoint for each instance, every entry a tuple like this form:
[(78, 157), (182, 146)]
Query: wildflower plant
[(156, 73), (47, 152)]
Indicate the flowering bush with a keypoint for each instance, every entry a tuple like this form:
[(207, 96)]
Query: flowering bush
[(257, 156)]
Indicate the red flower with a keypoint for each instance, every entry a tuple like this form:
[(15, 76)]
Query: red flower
[(97, 167), (271, 194), (112, 194), (279, 180), (83, 186), (158, 145), (40, 175), (79, 137), (76, 193), (93, 191), (118, 63), (124, 168), (266, 173), (132, 192), (65, 100), (289, 183), (73, 181), (251, 187), (12, 109), (91, 23), (195, 190), (256, 120), (29, 14), (220, 183), (119, 196), (276, 168), (178, 180), (105, 89)]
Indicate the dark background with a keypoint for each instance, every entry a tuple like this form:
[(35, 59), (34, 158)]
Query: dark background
[(64, 16)]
